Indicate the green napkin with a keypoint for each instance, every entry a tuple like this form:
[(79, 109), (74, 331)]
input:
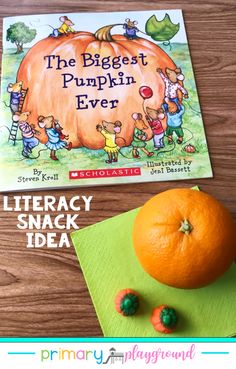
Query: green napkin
[(109, 264)]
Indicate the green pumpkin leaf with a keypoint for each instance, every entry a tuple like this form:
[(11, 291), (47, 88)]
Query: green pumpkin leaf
[(196, 188), (163, 30)]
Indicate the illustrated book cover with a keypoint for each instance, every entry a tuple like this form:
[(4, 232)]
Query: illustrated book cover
[(98, 98)]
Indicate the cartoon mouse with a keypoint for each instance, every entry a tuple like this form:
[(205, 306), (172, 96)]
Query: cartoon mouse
[(174, 122), (109, 131), (154, 117), (15, 90), (64, 29), (174, 90), (54, 142), (139, 136), (28, 132), (130, 29)]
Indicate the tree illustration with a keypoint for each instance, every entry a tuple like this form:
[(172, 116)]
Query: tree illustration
[(19, 34)]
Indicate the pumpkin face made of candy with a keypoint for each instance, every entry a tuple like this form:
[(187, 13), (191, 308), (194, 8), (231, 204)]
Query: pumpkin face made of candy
[(83, 78)]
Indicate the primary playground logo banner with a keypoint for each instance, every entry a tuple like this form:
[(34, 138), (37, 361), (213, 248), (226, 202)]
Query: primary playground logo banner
[(122, 357), (118, 353)]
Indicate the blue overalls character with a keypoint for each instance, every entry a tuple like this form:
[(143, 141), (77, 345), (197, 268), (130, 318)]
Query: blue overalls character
[(130, 29)]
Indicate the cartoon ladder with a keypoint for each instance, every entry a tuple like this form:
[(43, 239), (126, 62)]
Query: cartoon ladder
[(14, 127)]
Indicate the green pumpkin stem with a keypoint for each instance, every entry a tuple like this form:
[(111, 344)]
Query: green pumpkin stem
[(186, 227)]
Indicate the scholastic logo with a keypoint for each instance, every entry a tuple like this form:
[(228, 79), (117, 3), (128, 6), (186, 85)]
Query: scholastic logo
[(104, 173)]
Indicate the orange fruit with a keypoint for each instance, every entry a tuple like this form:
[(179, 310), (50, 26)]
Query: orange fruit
[(184, 238)]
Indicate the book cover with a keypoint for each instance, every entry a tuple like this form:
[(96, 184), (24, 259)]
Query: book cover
[(98, 98)]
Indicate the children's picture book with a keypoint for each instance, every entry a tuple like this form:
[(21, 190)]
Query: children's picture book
[(98, 98)]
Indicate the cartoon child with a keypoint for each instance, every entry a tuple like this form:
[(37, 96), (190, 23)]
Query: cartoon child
[(174, 123), (139, 136), (64, 29), (130, 29), (54, 142), (16, 93), (109, 131), (28, 132), (173, 84), (154, 118)]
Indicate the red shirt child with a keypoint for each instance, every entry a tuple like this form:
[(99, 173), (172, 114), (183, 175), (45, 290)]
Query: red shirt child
[(156, 126), (154, 118)]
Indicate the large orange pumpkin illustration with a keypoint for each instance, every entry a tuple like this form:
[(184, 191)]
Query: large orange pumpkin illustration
[(47, 97)]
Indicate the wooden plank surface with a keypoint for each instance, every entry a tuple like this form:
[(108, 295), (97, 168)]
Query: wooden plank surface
[(42, 292)]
